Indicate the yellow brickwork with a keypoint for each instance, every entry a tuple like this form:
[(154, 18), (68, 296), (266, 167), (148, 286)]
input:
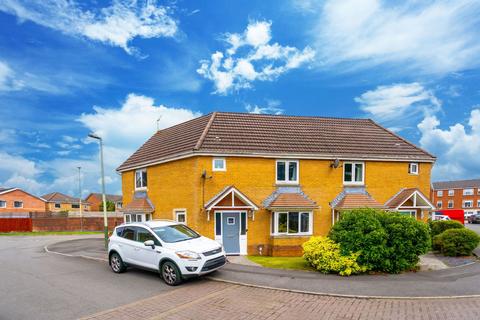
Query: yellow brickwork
[(178, 184)]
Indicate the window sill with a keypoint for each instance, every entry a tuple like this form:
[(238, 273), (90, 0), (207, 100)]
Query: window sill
[(285, 236), (353, 184), (283, 183), (141, 189)]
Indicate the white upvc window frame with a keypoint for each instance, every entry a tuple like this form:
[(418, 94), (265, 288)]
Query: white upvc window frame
[(3, 203), (478, 203), (17, 201), (275, 216), (412, 213), (223, 168), (354, 169), (440, 193), (468, 192), (413, 168), (441, 204), (142, 187), (180, 211), (136, 217), (464, 204), (287, 165), (450, 204), (451, 192)]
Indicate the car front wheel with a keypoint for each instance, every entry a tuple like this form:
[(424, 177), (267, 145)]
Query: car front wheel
[(116, 263), (171, 274)]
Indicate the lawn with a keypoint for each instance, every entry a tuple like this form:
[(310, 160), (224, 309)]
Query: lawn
[(296, 263), (47, 233)]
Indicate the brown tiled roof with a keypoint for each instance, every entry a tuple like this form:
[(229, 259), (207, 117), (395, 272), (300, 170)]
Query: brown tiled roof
[(59, 197), (244, 133), (138, 205), (292, 200), (402, 196), (357, 200), (457, 184), (108, 197)]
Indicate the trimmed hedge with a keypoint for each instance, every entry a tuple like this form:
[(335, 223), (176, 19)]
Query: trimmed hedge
[(437, 227), (387, 241), (324, 255), (456, 242)]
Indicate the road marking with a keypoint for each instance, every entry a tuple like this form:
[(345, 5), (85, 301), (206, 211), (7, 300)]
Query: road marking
[(73, 255)]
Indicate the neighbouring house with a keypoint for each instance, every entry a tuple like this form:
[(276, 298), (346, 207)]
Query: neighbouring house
[(95, 200), (457, 195), (263, 184), (59, 202), (14, 200)]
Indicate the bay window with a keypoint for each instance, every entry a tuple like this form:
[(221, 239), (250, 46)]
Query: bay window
[(292, 223), (287, 171), (353, 172)]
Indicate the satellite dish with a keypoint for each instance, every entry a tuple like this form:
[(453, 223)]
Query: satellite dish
[(335, 164)]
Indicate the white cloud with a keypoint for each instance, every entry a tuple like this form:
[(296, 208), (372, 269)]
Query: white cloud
[(457, 148), (399, 104), (260, 60), (8, 81), (116, 25), (272, 107), (430, 37)]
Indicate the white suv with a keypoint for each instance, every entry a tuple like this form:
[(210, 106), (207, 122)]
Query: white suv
[(168, 247)]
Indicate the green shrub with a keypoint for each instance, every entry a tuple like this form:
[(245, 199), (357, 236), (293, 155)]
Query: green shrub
[(437, 227), (387, 241), (457, 242), (324, 255)]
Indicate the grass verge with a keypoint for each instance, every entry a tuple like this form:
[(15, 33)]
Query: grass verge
[(48, 233), (293, 263)]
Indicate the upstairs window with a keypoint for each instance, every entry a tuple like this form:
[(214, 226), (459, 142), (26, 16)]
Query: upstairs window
[(439, 193), (451, 192), (413, 168), (353, 173), (141, 179), (3, 204), (219, 164), (18, 204), (468, 192), (181, 216), (287, 171)]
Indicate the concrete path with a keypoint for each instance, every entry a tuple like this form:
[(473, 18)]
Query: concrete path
[(460, 281)]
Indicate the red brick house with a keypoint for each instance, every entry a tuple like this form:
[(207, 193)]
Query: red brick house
[(95, 200), (13, 200), (458, 195)]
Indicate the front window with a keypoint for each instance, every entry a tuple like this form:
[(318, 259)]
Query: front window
[(175, 233), (219, 164), (439, 193), (413, 168), (292, 223), (468, 204), (18, 204), (75, 206), (451, 192), (353, 173), (3, 204), (287, 171), (411, 213), (141, 179), (450, 204), (468, 192), (58, 205), (439, 204)]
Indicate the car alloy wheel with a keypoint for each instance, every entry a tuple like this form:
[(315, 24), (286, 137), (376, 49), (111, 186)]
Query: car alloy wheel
[(171, 274), (116, 263)]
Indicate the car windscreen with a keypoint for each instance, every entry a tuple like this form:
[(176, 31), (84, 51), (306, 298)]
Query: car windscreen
[(175, 233)]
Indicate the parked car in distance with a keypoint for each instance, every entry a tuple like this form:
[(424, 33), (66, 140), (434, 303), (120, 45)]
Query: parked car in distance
[(168, 247), (474, 218), (468, 214), (439, 217)]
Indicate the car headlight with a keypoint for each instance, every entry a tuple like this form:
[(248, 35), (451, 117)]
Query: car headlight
[(188, 255)]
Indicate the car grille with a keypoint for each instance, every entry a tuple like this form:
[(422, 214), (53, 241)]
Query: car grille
[(212, 252), (214, 263)]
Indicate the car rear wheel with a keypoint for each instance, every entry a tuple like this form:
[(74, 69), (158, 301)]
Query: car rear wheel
[(116, 263), (171, 274)]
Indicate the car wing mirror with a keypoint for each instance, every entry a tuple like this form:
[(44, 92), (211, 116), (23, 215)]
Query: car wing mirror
[(149, 243)]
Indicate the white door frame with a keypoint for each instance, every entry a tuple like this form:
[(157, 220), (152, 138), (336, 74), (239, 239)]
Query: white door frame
[(242, 237)]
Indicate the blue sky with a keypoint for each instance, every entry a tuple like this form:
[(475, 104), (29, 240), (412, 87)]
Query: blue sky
[(68, 68)]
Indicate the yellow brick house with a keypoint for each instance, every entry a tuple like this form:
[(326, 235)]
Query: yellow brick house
[(263, 184)]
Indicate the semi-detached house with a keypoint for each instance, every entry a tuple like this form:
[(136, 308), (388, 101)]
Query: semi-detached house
[(263, 184)]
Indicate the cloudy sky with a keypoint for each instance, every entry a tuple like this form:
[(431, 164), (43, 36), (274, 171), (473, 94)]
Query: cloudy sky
[(121, 68)]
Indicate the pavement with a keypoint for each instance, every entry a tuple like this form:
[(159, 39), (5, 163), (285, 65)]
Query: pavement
[(451, 282), (476, 228)]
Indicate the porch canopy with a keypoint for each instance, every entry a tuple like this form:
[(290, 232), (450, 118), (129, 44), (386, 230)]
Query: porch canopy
[(409, 199), (230, 198), (286, 199), (352, 198), (139, 209)]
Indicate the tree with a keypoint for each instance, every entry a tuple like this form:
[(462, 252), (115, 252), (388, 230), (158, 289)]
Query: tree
[(110, 206)]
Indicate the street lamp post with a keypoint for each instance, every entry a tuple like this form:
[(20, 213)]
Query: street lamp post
[(105, 220), (80, 196)]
